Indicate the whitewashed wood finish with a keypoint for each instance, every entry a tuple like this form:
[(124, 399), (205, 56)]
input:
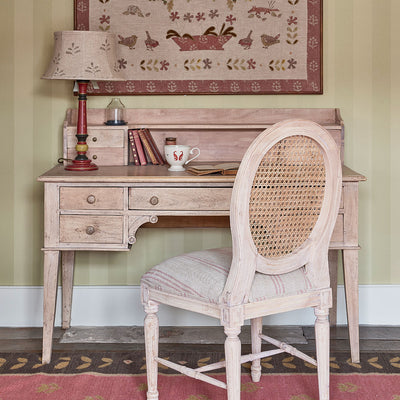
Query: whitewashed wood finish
[(102, 156), (350, 269), (233, 308), (256, 331), (94, 198), (50, 278), (67, 271), (151, 331), (287, 348), (107, 145), (206, 123), (91, 229), (179, 198), (221, 134)]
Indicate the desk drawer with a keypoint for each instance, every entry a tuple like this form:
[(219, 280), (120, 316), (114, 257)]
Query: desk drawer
[(187, 199), (102, 156), (106, 146), (91, 198), (91, 229), (99, 138)]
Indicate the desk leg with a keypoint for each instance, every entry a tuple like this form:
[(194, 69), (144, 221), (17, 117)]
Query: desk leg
[(50, 278), (67, 263), (333, 272), (350, 269)]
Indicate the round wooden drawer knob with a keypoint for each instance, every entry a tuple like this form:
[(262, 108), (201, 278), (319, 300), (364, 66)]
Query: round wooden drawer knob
[(90, 230), (94, 139), (91, 199), (154, 200), (94, 157)]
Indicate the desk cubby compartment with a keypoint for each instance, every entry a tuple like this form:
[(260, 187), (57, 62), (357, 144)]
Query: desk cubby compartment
[(107, 146), (180, 198), (91, 229), (91, 198)]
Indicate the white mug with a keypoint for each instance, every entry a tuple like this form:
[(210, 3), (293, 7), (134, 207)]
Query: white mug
[(177, 156)]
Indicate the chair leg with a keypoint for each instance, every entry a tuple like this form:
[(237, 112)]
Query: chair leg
[(256, 330), (232, 357), (322, 345), (151, 334)]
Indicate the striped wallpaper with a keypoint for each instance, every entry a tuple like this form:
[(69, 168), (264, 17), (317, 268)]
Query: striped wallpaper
[(361, 77)]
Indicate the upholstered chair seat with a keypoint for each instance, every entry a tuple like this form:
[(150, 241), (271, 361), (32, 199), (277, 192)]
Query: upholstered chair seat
[(202, 275)]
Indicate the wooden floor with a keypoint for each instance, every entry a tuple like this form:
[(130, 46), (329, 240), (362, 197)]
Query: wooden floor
[(382, 339)]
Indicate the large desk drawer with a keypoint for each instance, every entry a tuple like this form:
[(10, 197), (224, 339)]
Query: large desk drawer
[(91, 229), (217, 199), (91, 198)]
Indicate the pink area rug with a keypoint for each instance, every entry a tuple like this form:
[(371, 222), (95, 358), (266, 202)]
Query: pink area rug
[(94, 386)]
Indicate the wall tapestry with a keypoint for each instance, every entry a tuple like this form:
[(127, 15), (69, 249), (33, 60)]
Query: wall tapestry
[(211, 46)]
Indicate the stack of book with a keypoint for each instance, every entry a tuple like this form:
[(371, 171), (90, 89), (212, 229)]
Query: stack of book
[(143, 148)]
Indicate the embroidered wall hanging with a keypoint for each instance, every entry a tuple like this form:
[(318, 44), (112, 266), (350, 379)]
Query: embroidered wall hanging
[(211, 46)]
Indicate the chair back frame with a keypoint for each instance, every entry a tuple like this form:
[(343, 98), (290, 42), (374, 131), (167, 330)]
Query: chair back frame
[(313, 252)]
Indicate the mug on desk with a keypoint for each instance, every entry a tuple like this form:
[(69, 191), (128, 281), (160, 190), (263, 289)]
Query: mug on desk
[(177, 156)]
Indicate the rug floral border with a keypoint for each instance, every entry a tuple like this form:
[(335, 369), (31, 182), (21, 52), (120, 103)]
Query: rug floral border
[(311, 85)]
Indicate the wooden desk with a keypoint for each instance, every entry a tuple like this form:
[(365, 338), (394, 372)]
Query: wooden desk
[(102, 210)]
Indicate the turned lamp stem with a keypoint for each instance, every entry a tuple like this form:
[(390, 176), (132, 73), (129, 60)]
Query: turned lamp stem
[(81, 161)]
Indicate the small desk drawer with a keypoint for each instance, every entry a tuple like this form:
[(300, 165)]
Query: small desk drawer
[(91, 229), (106, 146), (99, 137), (91, 198), (102, 156), (180, 199)]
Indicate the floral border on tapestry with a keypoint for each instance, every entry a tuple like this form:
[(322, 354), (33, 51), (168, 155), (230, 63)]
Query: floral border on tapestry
[(211, 46)]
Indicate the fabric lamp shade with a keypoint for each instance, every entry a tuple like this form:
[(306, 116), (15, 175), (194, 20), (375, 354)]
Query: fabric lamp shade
[(84, 55)]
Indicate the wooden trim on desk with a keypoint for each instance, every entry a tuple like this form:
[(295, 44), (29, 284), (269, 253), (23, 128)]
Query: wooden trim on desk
[(351, 176), (150, 174)]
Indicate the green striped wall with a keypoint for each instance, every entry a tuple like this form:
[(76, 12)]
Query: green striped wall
[(361, 77)]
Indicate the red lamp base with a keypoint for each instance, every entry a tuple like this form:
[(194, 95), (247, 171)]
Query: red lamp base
[(81, 165)]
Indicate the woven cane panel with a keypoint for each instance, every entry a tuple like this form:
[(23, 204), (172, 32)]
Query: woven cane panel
[(286, 196)]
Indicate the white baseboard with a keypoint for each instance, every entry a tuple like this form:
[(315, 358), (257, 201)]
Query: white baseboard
[(21, 306)]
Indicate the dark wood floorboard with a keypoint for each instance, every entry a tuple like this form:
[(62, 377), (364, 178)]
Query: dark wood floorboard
[(372, 338)]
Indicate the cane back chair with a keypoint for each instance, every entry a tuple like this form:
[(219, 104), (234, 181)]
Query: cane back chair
[(284, 206)]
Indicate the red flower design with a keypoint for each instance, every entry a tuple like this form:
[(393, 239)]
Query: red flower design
[(230, 19), (104, 19)]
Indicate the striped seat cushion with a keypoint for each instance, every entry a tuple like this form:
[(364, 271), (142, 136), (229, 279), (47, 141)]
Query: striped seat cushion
[(201, 275)]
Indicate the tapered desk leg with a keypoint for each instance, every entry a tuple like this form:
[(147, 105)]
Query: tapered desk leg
[(333, 272), (67, 263), (350, 269), (51, 260)]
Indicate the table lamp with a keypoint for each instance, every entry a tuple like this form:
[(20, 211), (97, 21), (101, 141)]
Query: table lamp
[(84, 56)]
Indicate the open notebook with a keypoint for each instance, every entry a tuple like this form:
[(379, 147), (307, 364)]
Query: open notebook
[(205, 169)]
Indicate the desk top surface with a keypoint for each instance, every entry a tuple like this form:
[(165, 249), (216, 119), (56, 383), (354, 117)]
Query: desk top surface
[(151, 174)]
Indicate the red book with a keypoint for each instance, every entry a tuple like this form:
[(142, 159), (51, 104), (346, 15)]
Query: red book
[(147, 147), (139, 148), (154, 147), (133, 147)]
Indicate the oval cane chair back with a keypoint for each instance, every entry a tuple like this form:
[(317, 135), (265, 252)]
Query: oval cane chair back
[(286, 196), (285, 201)]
